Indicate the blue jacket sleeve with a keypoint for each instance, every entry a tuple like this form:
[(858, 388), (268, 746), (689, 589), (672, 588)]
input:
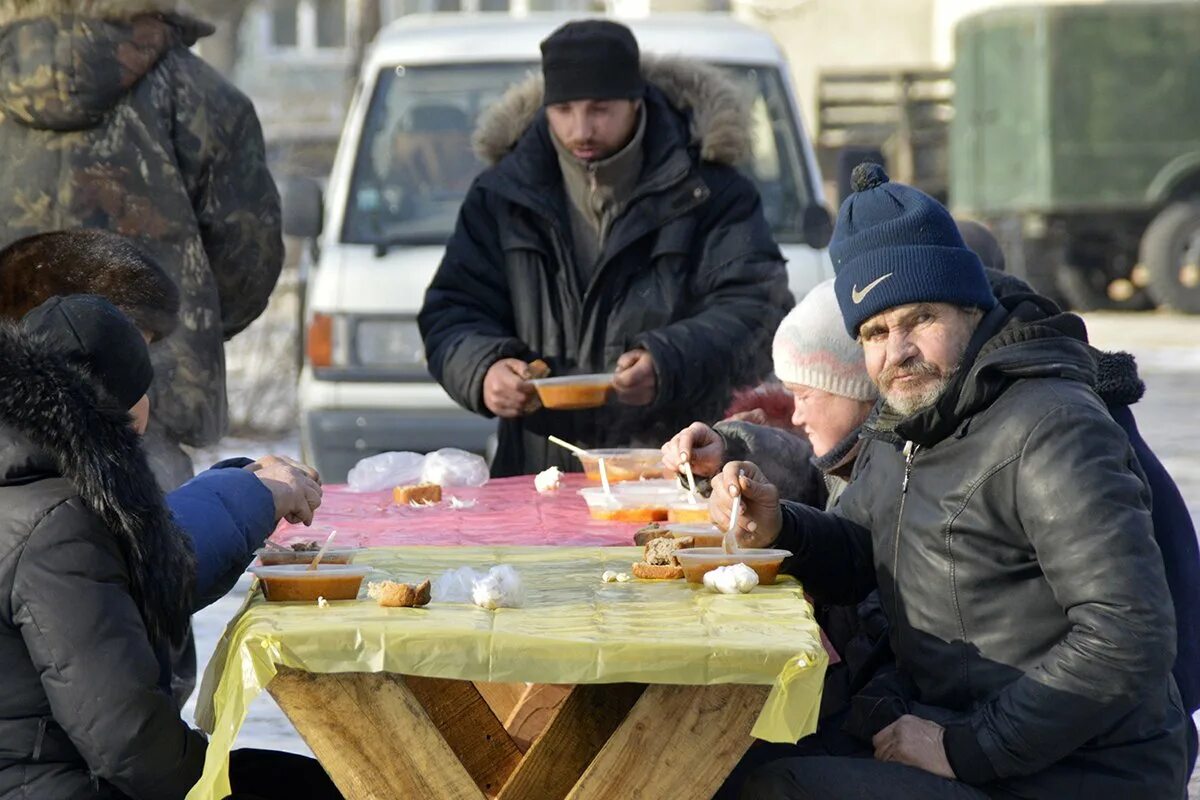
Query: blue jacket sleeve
[(228, 514), (1176, 537)]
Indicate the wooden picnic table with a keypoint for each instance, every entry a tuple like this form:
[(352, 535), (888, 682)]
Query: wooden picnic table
[(591, 690), (383, 736)]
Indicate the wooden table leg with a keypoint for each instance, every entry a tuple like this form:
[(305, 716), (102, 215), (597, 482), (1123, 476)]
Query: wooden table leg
[(502, 697), (525, 708), (531, 716), (373, 736), (678, 741), (471, 729), (588, 717)]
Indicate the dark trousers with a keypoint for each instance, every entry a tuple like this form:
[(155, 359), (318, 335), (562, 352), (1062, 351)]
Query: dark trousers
[(271, 775), (833, 778)]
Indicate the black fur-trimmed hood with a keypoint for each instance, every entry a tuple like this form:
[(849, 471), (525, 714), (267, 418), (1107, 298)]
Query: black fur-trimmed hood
[(718, 115), (1117, 380), (52, 404)]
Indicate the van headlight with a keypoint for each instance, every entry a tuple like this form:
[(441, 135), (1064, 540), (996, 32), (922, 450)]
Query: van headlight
[(393, 344)]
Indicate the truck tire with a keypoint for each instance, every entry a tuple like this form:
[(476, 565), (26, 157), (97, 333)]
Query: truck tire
[(1170, 251), (1086, 289)]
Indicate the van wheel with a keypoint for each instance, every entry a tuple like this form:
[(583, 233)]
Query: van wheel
[(1170, 251), (1089, 289)]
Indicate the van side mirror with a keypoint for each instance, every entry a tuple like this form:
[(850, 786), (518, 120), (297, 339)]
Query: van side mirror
[(303, 207), (816, 226)]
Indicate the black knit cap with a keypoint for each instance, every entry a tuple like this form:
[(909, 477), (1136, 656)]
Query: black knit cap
[(92, 333), (592, 59)]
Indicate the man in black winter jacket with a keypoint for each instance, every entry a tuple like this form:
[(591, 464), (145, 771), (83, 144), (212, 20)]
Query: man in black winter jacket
[(613, 233), (1004, 518)]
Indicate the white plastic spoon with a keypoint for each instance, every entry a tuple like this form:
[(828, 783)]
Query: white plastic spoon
[(729, 543), (321, 553)]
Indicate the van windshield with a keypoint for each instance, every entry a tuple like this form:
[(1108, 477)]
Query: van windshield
[(415, 163)]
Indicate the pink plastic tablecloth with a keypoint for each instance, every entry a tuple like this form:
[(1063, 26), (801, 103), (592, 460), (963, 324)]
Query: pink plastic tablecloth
[(508, 511)]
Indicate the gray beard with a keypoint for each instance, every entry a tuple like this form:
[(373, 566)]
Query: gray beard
[(905, 404)]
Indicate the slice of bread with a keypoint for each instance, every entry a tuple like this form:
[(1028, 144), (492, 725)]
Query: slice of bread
[(661, 551), (651, 531), (657, 572), (401, 595), (421, 493), (537, 370)]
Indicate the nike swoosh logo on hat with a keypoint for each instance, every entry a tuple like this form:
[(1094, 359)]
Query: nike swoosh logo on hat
[(858, 296)]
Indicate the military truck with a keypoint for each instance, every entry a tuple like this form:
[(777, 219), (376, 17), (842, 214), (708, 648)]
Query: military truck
[(1076, 137)]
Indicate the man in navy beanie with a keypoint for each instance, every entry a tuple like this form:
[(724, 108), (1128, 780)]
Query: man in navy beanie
[(1003, 517)]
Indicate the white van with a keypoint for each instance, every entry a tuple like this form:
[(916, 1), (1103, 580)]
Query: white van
[(365, 387)]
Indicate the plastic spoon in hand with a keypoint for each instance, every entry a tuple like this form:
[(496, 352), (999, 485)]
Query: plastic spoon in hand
[(687, 470), (729, 543), (321, 553)]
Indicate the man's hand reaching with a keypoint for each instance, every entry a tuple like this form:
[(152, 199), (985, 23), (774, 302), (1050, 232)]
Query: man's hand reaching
[(636, 381), (761, 518), (295, 487), (507, 392)]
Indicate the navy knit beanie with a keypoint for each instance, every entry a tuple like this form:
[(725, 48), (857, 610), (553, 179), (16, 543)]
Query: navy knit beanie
[(895, 245)]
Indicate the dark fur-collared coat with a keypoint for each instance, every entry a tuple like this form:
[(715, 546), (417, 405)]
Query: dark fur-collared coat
[(95, 581)]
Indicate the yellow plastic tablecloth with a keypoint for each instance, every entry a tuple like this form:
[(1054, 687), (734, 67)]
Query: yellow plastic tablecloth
[(573, 628)]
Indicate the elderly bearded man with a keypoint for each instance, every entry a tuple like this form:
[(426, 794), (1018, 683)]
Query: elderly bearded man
[(1005, 519)]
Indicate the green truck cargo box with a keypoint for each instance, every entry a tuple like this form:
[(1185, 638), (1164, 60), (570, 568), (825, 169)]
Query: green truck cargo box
[(1085, 119), (1075, 107)]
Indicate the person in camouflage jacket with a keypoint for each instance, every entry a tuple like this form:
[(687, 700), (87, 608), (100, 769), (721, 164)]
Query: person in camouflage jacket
[(107, 120)]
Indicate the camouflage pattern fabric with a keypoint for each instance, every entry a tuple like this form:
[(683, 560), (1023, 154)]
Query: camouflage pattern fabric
[(111, 122)]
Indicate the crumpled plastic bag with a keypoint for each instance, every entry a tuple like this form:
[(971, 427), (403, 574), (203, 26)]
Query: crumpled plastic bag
[(386, 471), (452, 467), (500, 587)]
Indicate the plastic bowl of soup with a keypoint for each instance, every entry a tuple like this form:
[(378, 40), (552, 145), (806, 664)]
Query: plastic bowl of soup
[(573, 391), (703, 534), (646, 504), (622, 465), (698, 561), (297, 583), (274, 557), (689, 513)]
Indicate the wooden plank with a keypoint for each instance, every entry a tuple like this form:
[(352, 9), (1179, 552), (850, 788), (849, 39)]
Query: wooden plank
[(469, 726), (502, 697), (678, 741), (588, 717), (532, 715), (372, 736)]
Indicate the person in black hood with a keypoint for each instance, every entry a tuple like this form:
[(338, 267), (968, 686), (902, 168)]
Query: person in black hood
[(228, 510), (612, 233), (96, 577), (1005, 520)]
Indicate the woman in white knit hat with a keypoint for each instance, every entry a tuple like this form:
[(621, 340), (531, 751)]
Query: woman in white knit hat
[(823, 369)]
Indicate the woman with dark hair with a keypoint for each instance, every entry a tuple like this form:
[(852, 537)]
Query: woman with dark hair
[(96, 577)]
